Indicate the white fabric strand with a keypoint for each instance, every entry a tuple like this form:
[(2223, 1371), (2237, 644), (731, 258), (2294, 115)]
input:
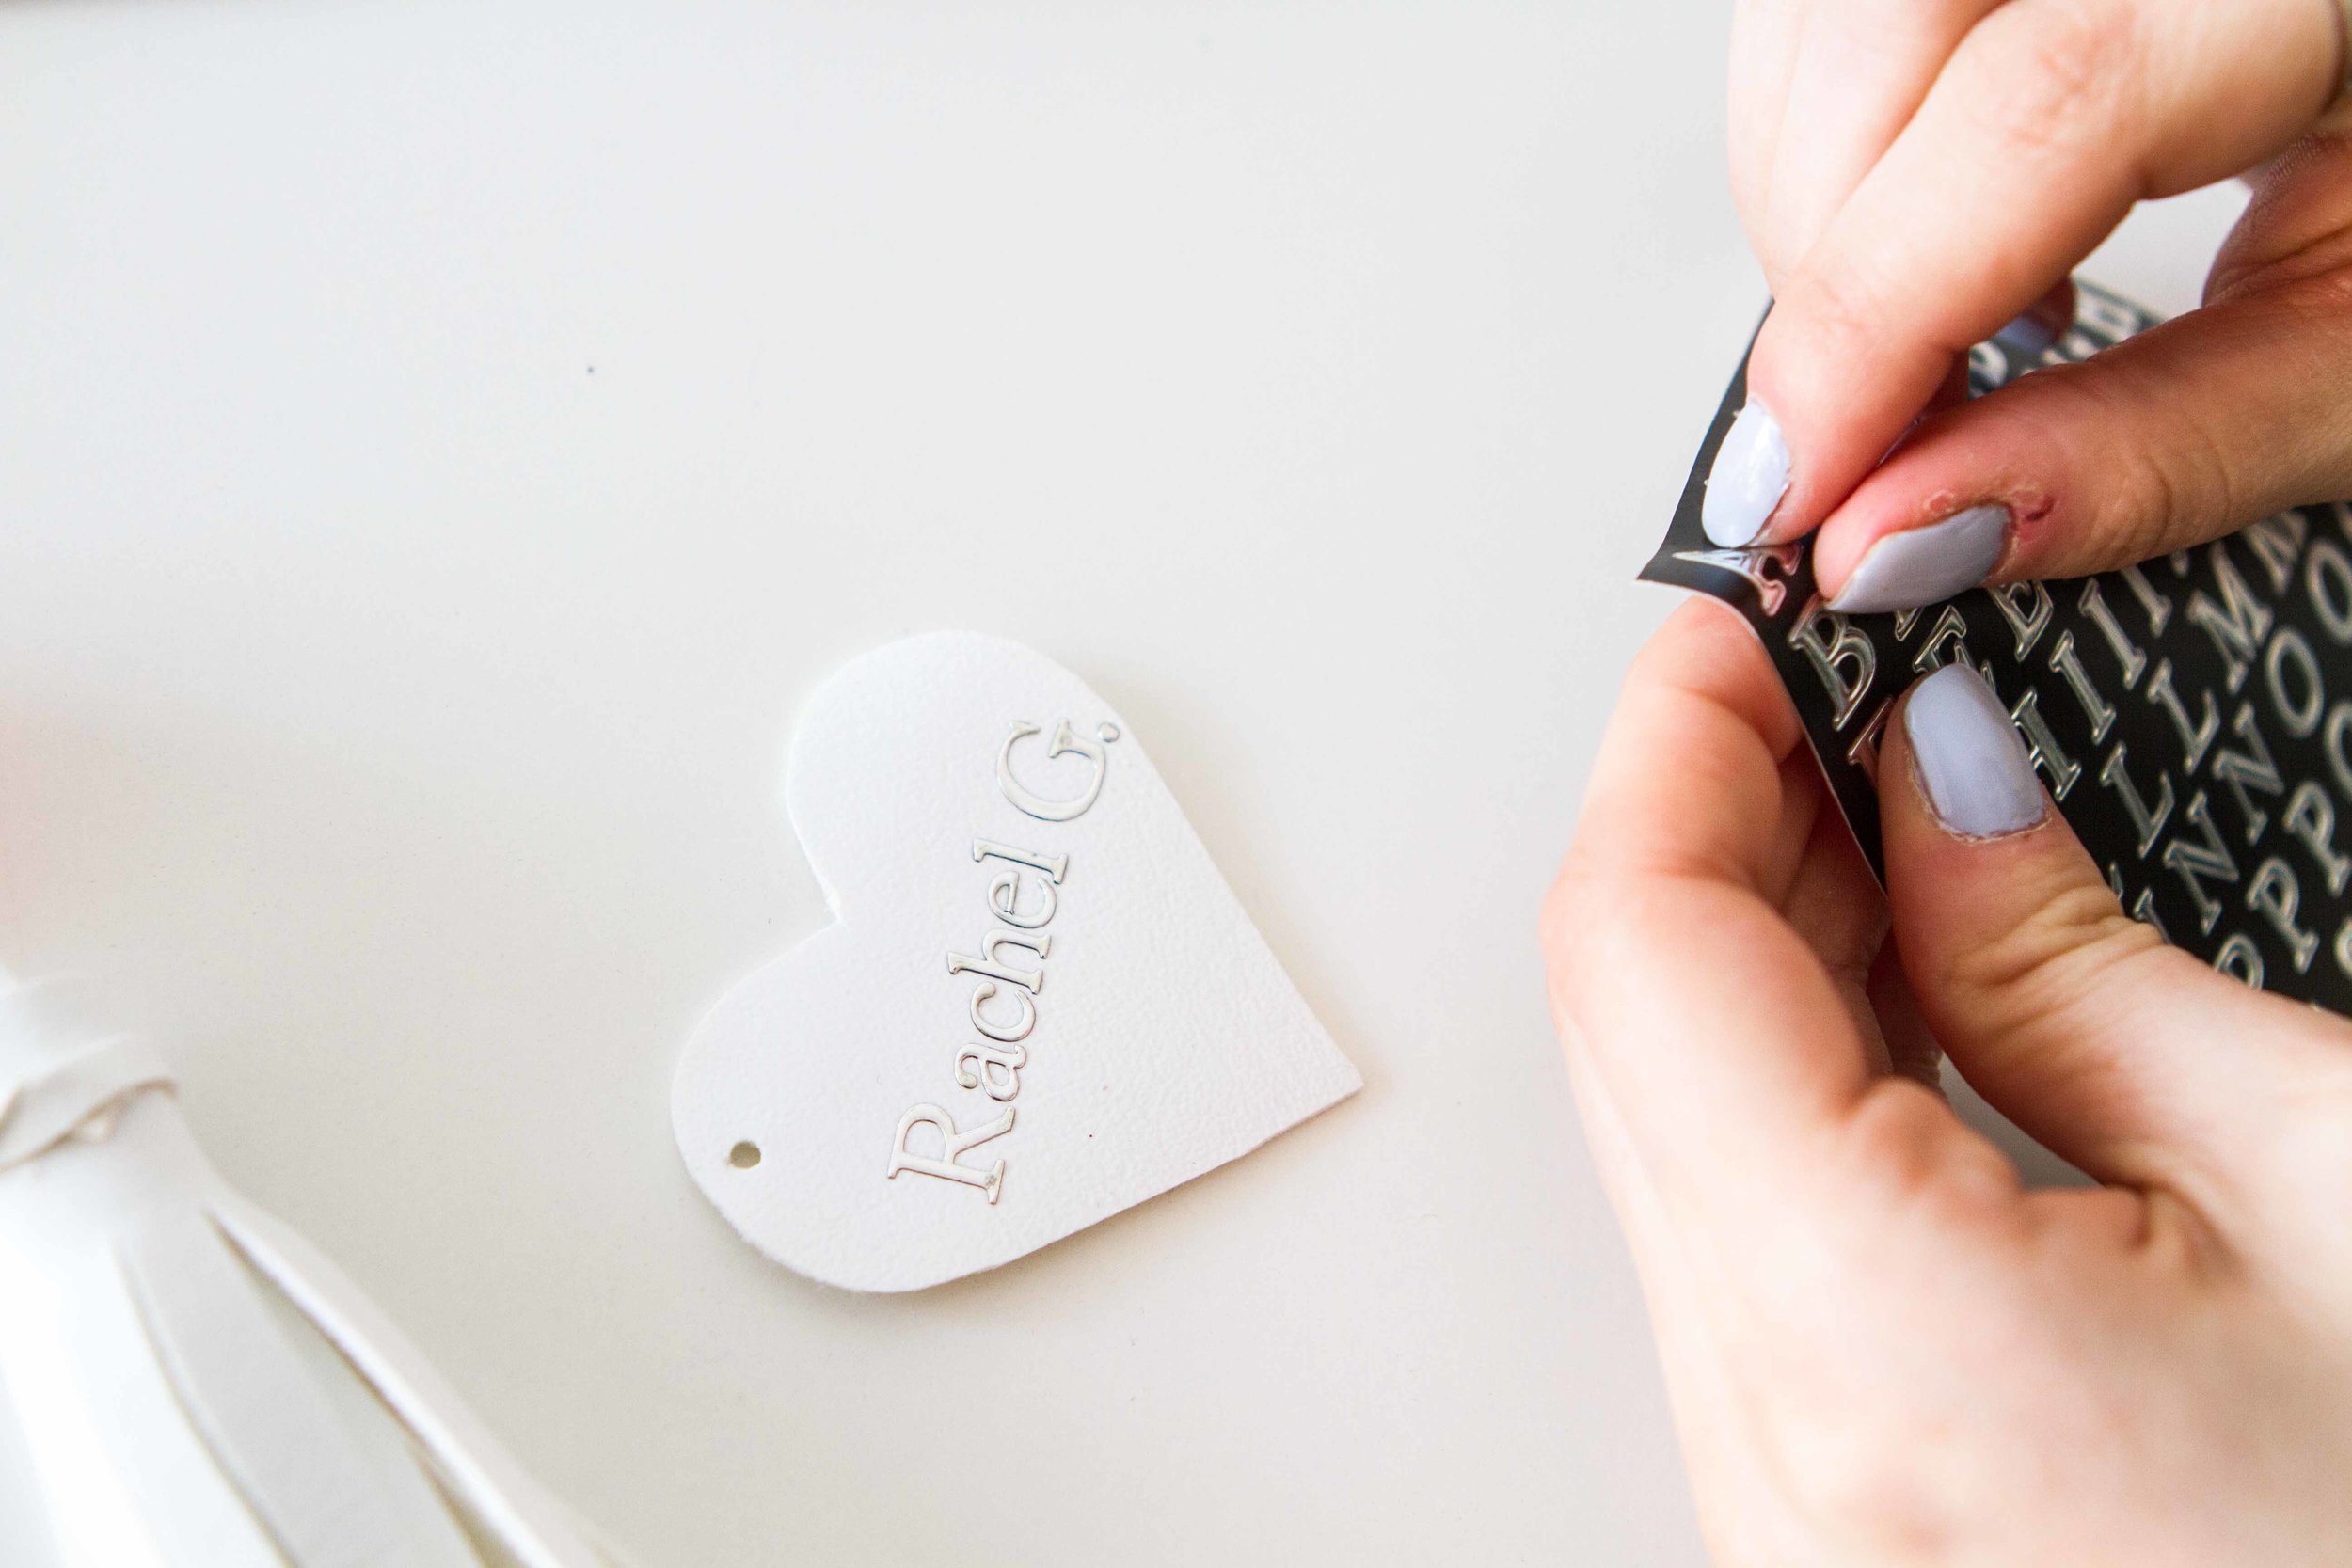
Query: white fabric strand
[(184, 1381), (332, 1493)]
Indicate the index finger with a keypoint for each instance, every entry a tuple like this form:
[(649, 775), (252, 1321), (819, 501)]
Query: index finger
[(2051, 119), (1818, 90)]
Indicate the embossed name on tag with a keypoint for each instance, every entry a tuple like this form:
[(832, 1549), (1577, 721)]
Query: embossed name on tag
[(1024, 897), (1039, 1003)]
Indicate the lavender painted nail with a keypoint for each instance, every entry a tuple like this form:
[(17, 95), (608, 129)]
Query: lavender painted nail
[(1749, 476), (1972, 767), (1926, 566)]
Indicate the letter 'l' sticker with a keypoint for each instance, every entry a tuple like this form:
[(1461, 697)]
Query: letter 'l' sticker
[(2191, 716)]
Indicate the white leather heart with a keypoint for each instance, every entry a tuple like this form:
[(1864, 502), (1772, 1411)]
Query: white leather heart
[(1038, 1005)]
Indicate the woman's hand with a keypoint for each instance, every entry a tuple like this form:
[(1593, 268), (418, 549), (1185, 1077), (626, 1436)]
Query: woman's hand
[(1881, 1350), (1915, 175)]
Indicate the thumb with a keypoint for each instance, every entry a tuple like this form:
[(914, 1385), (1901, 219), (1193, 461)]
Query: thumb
[(2114, 1051)]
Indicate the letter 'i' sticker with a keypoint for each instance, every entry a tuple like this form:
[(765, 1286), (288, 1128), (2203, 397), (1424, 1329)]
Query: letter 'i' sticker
[(2191, 716)]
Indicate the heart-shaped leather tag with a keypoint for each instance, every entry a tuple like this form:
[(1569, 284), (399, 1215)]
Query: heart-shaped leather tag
[(1038, 1005)]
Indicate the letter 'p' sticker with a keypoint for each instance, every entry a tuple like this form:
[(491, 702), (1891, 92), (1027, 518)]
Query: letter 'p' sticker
[(2191, 716)]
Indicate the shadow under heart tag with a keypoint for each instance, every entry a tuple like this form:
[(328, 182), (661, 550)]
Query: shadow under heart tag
[(1039, 1003)]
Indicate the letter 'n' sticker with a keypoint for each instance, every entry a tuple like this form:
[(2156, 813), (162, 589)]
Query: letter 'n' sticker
[(2191, 716)]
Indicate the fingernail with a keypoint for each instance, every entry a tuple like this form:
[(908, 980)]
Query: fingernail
[(1749, 477), (1972, 768), (1926, 566), (2030, 334)]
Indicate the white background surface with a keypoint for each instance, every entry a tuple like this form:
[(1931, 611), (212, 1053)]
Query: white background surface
[(443, 445)]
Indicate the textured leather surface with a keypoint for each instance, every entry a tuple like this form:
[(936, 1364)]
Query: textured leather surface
[(1167, 1041)]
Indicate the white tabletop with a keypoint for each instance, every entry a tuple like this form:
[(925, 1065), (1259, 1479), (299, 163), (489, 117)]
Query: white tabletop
[(445, 442)]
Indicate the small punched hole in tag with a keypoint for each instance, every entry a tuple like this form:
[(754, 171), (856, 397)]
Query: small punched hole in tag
[(744, 1156)]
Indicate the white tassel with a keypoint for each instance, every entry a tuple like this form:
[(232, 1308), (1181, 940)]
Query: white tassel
[(184, 1380)]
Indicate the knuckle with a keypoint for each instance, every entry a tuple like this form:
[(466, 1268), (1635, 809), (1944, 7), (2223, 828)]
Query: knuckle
[(1562, 913), (2198, 488), (2294, 244), (2038, 971), (1858, 1475), (2310, 318), (2054, 74), (1583, 915), (2168, 492), (1900, 1142), (2080, 44), (2320, 305), (1843, 313), (1905, 1479), (1600, 925), (2173, 469)]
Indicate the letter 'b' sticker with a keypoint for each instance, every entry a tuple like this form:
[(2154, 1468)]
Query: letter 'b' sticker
[(2191, 716), (1039, 1003)]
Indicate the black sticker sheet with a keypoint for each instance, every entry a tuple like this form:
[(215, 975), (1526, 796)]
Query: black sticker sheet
[(2191, 716)]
